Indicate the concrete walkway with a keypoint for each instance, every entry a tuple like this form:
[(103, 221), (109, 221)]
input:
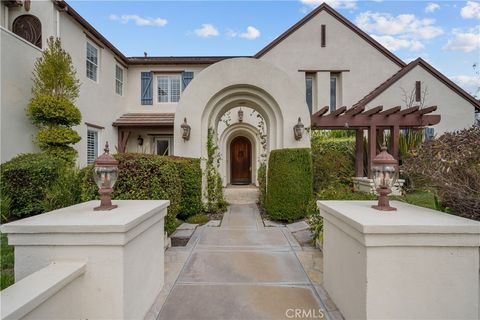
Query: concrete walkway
[(240, 270)]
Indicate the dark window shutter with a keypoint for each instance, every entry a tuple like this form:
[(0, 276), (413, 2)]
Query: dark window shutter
[(418, 91), (146, 88), (323, 36), (186, 78)]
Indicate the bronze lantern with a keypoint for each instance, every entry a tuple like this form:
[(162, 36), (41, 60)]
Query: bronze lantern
[(298, 129), (384, 170), (240, 115), (105, 174), (186, 129)]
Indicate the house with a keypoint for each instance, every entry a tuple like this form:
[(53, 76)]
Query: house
[(145, 104)]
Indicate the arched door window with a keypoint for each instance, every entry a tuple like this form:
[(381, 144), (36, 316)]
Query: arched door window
[(29, 28)]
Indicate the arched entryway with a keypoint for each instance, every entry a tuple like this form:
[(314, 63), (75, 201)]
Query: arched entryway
[(240, 161)]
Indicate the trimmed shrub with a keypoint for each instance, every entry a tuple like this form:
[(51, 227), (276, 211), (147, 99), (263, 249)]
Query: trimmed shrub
[(333, 161), (451, 166), (262, 184), (53, 110), (289, 189), (26, 180), (191, 178)]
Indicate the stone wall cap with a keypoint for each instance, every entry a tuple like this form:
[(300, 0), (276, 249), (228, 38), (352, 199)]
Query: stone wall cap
[(81, 218), (407, 219)]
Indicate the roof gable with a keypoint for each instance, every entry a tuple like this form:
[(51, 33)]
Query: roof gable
[(325, 7), (434, 72)]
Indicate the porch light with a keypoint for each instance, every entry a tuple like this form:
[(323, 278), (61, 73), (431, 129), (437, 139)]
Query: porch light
[(140, 140), (240, 115), (105, 174), (384, 170), (298, 129), (185, 130)]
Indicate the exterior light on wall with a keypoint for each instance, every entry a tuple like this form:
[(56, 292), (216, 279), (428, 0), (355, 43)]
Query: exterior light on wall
[(240, 115), (384, 171), (298, 129), (105, 174), (185, 130), (140, 140)]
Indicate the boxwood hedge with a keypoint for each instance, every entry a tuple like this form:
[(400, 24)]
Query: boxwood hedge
[(289, 190)]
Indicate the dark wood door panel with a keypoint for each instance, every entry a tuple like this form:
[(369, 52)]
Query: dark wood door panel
[(241, 161)]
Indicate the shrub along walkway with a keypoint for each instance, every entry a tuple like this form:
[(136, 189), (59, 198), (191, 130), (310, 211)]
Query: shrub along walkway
[(241, 270)]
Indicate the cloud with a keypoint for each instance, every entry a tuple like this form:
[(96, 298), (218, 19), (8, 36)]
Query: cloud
[(337, 4), (207, 30), (471, 10), (431, 7), (139, 21), (464, 41), (470, 84), (394, 44), (251, 33)]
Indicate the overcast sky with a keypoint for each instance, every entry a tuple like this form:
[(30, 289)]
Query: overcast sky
[(445, 33)]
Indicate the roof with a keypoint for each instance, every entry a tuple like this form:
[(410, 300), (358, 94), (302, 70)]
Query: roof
[(434, 72), (177, 60), (145, 119), (343, 20)]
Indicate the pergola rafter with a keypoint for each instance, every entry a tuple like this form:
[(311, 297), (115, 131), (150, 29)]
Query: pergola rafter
[(375, 121)]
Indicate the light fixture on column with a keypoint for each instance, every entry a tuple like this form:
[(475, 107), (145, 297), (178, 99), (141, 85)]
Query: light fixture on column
[(384, 170), (240, 115), (105, 174), (298, 129), (140, 140), (185, 130)]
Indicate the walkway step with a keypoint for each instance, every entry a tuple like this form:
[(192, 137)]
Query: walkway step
[(232, 239)]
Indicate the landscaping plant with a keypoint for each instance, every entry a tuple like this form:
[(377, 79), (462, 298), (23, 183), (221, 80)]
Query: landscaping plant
[(52, 105), (450, 165), (215, 199), (262, 184)]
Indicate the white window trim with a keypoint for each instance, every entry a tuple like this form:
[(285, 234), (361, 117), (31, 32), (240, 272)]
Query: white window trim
[(98, 61), (163, 137), (176, 75), (122, 81), (98, 131)]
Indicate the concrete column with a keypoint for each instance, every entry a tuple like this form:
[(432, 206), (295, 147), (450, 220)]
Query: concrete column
[(414, 263)]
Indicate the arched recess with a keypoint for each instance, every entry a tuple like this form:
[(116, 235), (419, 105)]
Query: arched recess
[(29, 28)]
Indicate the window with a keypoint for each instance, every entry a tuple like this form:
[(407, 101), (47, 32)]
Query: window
[(309, 91), (92, 146), (323, 36), (29, 28), (163, 146), (429, 133), (92, 61), (418, 91), (169, 88), (146, 88), (186, 78), (118, 80), (333, 92)]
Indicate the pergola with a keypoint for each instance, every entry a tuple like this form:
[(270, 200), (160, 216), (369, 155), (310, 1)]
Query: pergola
[(375, 121)]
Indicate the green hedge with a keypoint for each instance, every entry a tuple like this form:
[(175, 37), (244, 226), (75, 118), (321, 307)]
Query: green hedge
[(262, 184), (289, 191), (26, 181), (333, 161), (144, 176)]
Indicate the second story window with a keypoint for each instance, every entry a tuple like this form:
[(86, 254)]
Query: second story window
[(92, 61), (169, 88), (333, 92), (309, 91), (118, 80)]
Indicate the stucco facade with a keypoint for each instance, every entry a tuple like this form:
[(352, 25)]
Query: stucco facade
[(323, 47)]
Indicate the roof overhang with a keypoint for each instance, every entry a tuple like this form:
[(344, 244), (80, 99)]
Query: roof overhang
[(142, 120)]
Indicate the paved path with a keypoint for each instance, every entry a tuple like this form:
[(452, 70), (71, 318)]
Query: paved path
[(240, 270)]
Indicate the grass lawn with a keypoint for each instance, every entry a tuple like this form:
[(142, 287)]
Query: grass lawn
[(419, 198), (7, 257)]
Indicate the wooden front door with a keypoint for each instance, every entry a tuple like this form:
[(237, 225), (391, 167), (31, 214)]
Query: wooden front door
[(241, 161)]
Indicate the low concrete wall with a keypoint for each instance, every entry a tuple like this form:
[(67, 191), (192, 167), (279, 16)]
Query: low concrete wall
[(123, 250), (414, 263)]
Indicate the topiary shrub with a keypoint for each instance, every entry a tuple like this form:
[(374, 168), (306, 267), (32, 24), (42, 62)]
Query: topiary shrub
[(333, 161), (26, 181), (191, 179), (289, 190), (451, 166), (262, 184), (54, 110)]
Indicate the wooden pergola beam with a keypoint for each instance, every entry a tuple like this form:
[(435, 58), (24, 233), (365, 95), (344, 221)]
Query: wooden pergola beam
[(338, 112), (321, 112), (409, 110), (390, 111), (372, 111), (355, 110), (427, 110), (362, 121)]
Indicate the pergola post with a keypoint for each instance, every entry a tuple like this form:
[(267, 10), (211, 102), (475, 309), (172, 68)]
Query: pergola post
[(372, 147), (359, 153), (394, 136), (380, 139)]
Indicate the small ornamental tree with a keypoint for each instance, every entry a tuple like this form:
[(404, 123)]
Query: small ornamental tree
[(52, 106)]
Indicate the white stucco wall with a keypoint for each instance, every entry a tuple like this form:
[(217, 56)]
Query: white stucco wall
[(457, 113), (344, 50), (17, 60)]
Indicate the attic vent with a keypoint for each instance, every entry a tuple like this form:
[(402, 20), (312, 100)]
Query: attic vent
[(323, 36)]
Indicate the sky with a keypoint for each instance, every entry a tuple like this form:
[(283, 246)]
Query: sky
[(444, 33)]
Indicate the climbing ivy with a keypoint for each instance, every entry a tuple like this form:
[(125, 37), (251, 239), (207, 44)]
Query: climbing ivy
[(215, 200)]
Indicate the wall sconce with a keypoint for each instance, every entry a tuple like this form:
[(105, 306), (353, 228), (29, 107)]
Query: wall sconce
[(105, 174), (298, 129), (384, 171), (240, 115), (185, 130), (140, 141)]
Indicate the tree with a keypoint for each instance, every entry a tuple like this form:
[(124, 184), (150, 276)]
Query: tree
[(52, 106)]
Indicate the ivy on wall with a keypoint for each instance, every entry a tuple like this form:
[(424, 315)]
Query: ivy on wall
[(215, 199)]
